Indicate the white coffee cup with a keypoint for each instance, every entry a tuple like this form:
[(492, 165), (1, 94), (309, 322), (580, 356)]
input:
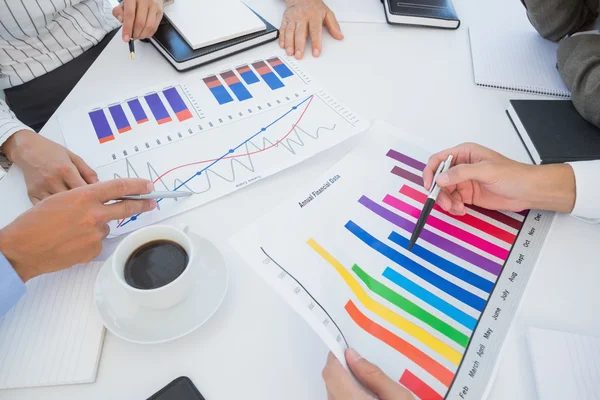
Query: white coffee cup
[(173, 292)]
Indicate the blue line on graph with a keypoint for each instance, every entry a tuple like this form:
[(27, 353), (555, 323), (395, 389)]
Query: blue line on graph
[(226, 154)]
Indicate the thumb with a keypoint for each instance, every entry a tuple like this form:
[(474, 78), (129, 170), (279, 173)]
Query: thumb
[(373, 378), (464, 172), (333, 26)]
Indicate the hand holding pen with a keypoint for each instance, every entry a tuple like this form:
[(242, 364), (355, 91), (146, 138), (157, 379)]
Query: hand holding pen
[(140, 19)]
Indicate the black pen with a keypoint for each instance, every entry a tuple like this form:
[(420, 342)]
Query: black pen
[(431, 199), (131, 49)]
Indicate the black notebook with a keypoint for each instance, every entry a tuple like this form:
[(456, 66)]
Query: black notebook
[(436, 13), (553, 131), (179, 53)]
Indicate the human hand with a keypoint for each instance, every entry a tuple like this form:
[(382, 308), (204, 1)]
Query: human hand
[(68, 228), (140, 18), (487, 179), (48, 167), (304, 18), (341, 386)]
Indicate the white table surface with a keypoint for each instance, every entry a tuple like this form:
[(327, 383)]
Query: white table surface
[(256, 347)]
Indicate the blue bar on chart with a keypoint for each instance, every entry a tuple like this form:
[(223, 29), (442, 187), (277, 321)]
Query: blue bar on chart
[(237, 87), (120, 118), (280, 67), (158, 108), (138, 112), (101, 126), (218, 90), (247, 74), (182, 112), (268, 76)]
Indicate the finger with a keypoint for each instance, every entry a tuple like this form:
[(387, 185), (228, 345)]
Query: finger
[(128, 19), (127, 208), (433, 164), (444, 200), (300, 38), (141, 16), (73, 179), (315, 30), (36, 199), (117, 12), (458, 204), (338, 382), (332, 25), (282, 34), (373, 378), (465, 172), (289, 38), (113, 189), (152, 22), (105, 231), (88, 174), (57, 185)]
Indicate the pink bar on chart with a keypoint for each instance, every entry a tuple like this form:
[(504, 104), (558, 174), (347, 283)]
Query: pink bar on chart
[(450, 229)]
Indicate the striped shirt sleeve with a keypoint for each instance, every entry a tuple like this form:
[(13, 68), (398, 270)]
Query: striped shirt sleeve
[(9, 123)]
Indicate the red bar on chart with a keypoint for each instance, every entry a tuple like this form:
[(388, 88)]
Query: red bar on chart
[(466, 219), (434, 368), (449, 229), (422, 390), (498, 216)]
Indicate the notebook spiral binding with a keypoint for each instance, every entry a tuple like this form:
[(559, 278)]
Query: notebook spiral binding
[(563, 94)]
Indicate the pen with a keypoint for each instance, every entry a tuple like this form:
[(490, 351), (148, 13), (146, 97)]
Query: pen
[(431, 199), (156, 195), (131, 49)]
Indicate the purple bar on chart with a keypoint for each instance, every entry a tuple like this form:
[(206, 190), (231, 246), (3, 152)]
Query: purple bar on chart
[(158, 108), (181, 110), (138, 111), (409, 176), (101, 126), (120, 118), (436, 240), (404, 159)]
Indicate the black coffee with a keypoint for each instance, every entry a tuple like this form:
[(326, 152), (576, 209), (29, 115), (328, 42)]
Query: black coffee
[(155, 264)]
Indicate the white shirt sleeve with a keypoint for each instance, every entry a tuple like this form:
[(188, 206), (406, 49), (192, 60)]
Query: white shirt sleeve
[(587, 200), (9, 123)]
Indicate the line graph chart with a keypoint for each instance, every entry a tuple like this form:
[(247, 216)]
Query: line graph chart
[(229, 154)]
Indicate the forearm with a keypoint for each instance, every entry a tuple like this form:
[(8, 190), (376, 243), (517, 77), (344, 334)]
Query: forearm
[(9, 124), (552, 188), (555, 19), (17, 260)]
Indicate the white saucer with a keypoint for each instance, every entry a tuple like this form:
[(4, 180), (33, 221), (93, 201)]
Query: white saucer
[(142, 325)]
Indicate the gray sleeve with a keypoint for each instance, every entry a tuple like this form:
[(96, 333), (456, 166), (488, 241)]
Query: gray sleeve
[(555, 19), (579, 66)]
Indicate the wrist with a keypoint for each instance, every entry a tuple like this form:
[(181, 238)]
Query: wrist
[(16, 143), (552, 188), (9, 251)]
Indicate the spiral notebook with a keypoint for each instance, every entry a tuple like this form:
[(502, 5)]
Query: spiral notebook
[(522, 61), (53, 335)]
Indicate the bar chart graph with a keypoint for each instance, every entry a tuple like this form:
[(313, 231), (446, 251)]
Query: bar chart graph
[(425, 316), (164, 106)]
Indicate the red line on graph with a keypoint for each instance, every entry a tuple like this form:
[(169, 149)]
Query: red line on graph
[(422, 390), (237, 155), (437, 370)]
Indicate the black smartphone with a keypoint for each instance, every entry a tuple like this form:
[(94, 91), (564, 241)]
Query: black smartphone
[(181, 388)]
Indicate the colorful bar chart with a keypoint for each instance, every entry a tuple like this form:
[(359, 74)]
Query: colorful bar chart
[(181, 110), (138, 111), (247, 74), (218, 90), (158, 108), (119, 118), (237, 87), (101, 126), (280, 67), (267, 75)]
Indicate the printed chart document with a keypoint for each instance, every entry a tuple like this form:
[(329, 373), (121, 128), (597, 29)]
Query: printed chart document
[(571, 370), (53, 336), (210, 134), (433, 318)]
